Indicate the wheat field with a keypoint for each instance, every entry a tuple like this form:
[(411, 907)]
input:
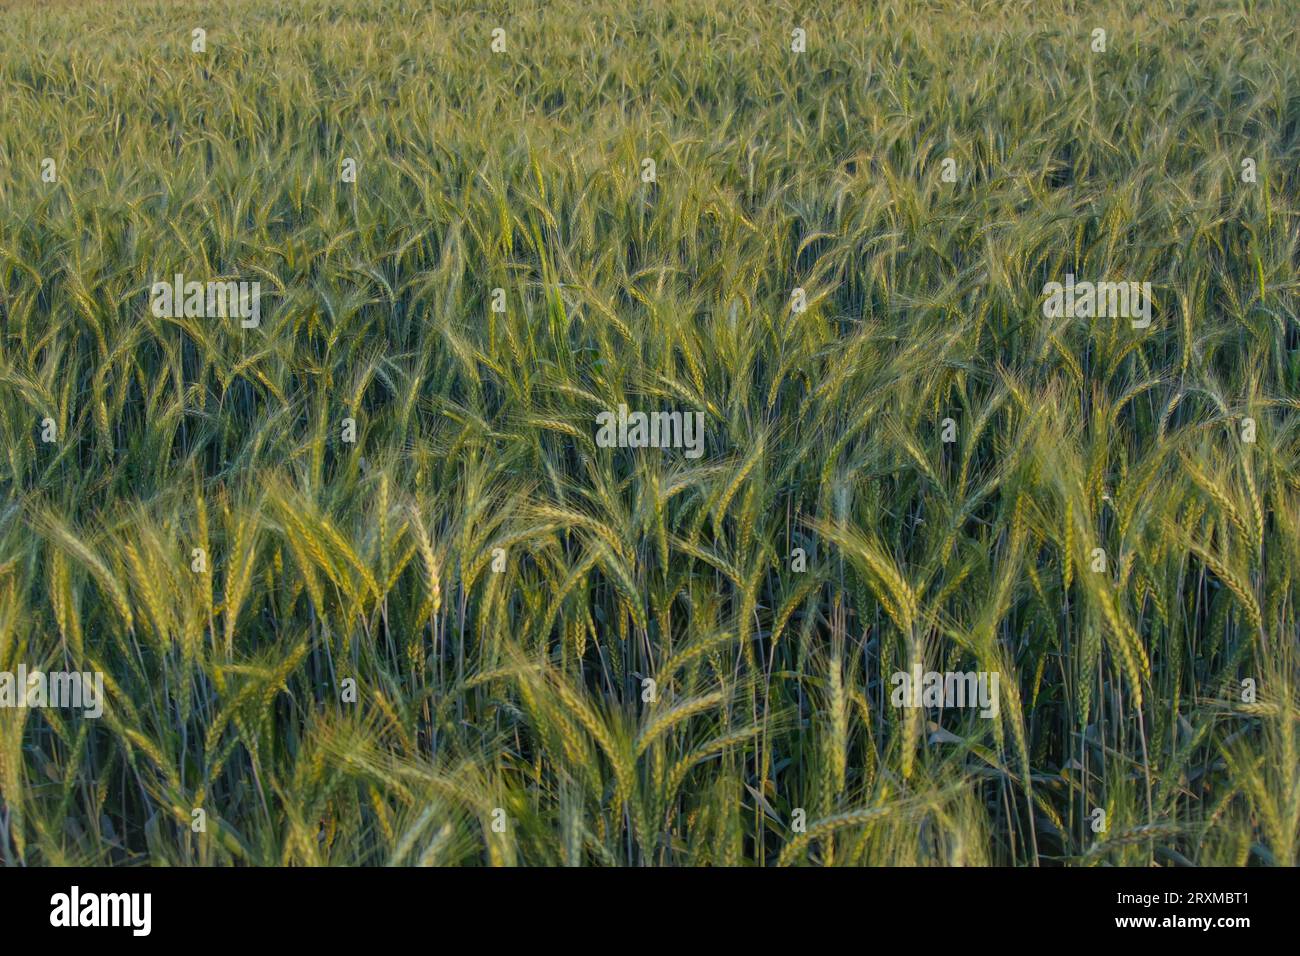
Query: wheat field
[(362, 584)]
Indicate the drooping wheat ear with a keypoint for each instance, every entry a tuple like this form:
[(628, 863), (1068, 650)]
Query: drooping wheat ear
[(432, 567), (1236, 582), (383, 530), (838, 739), (1219, 496), (239, 574), (620, 757), (664, 722), (145, 582), (64, 602), (828, 825), (105, 578), (1067, 548)]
